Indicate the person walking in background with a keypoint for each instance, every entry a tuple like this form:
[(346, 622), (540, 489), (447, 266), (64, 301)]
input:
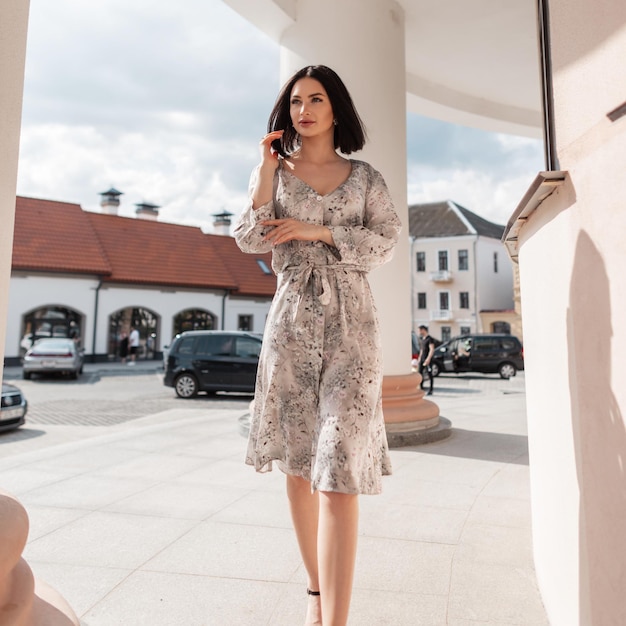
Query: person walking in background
[(426, 355), (133, 342), (317, 410), (123, 346)]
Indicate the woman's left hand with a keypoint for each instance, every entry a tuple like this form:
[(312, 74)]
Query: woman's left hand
[(289, 229)]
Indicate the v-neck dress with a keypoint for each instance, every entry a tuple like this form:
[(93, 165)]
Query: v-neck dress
[(318, 407)]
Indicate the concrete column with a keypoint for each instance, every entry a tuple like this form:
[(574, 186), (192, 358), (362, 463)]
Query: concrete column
[(13, 27), (368, 54), (23, 601)]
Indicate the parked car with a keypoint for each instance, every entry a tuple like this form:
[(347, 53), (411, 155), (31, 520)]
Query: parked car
[(54, 355), (211, 361), (13, 407), (487, 353), (415, 346)]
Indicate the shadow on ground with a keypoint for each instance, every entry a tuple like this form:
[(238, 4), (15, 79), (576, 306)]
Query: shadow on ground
[(480, 445)]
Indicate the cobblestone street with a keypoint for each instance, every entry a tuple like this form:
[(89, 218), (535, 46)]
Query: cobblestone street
[(61, 410)]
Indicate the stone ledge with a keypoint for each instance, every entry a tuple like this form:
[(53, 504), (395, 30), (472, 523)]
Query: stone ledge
[(414, 433)]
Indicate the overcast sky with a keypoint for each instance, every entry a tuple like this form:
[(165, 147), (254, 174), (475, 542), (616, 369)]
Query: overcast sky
[(166, 101)]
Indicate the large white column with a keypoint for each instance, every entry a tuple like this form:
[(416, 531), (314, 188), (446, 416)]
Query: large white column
[(21, 602), (369, 55), (13, 27)]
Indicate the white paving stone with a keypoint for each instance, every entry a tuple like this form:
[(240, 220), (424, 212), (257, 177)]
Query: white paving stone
[(158, 522)]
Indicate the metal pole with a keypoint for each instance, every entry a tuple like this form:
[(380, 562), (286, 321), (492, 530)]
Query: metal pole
[(547, 99)]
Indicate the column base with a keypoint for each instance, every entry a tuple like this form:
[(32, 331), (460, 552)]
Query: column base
[(409, 418)]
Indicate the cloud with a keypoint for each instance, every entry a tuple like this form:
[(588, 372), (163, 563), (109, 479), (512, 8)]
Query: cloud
[(167, 101), (488, 173)]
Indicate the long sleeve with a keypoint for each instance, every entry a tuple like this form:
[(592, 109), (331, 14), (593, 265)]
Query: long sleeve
[(371, 243), (248, 231)]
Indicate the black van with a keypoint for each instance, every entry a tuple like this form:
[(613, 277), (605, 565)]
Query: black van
[(490, 354), (212, 360)]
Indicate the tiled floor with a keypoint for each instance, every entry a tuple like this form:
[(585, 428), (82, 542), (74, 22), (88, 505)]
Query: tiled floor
[(162, 525)]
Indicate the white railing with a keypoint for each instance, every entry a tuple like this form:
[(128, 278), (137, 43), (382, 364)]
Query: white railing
[(441, 315), (442, 276)]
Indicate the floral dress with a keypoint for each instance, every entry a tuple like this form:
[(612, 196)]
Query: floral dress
[(318, 406)]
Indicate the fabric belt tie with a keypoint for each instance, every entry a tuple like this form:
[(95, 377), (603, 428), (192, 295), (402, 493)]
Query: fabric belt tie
[(317, 277)]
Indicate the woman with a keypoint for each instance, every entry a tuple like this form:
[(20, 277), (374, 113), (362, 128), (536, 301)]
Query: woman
[(317, 411)]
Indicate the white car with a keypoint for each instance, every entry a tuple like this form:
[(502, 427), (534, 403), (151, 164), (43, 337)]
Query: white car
[(54, 355)]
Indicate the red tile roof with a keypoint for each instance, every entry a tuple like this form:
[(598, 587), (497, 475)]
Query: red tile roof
[(56, 236), (146, 252), (250, 277), (61, 237)]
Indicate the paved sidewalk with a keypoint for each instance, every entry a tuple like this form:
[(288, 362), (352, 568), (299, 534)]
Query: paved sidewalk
[(159, 523)]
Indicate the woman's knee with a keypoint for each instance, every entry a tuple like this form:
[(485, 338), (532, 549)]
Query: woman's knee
[(335, 499), (297, 485)]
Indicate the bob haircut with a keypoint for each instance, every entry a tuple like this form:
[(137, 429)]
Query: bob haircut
[(349, 131)]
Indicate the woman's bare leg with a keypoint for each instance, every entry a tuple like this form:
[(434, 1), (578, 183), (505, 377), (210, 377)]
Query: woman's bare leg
[(336, 549), (304, 507)]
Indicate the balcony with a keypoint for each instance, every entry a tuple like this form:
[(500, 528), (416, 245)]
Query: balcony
[(441, 315), (442, 276)]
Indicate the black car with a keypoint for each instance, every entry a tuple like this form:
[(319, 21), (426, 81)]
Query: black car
[(13, 408), (212, 360), (489, 354)]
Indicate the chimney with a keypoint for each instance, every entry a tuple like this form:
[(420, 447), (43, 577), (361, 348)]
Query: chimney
[(110, 201), (147, 211), (221, 223)]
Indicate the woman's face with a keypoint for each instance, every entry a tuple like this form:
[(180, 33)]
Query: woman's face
[(310, 108)]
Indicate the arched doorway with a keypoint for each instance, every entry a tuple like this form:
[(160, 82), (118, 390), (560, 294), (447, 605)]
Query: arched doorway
[(193, 319), (123, 321), (50, 321)]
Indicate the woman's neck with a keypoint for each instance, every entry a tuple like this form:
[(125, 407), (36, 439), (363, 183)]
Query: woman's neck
[(316, 150)]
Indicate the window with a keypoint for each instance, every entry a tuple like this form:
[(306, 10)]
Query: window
[(214, 345), (495, 262), (444, 300), (464, 300), (421, 300), (465, 330), (420, 258), (186, 345), (247, 348), (501, 327), (486, 344), (443, 260), (194, 319), (245, 322), (263, 265), (446, 333), (463, 260)]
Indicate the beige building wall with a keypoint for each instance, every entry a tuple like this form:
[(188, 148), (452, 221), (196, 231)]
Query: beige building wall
[(487, 289), (572, 256)]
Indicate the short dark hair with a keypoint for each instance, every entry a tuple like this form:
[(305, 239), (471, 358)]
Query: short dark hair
[(422, 327), (350, 133)]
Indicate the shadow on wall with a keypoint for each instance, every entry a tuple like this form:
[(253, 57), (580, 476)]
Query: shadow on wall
[(599, 441)]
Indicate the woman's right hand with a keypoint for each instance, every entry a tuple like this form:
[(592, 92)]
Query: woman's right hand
[(268, 154), (262, 191)]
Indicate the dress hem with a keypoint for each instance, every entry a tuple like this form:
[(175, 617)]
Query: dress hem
[(267, 467)]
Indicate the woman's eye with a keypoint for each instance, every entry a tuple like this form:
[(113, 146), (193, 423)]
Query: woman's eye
[(317, 99), (295, 102)]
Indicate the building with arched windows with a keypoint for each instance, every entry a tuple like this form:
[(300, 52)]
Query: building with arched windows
[(96, 276), (550, 66)]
